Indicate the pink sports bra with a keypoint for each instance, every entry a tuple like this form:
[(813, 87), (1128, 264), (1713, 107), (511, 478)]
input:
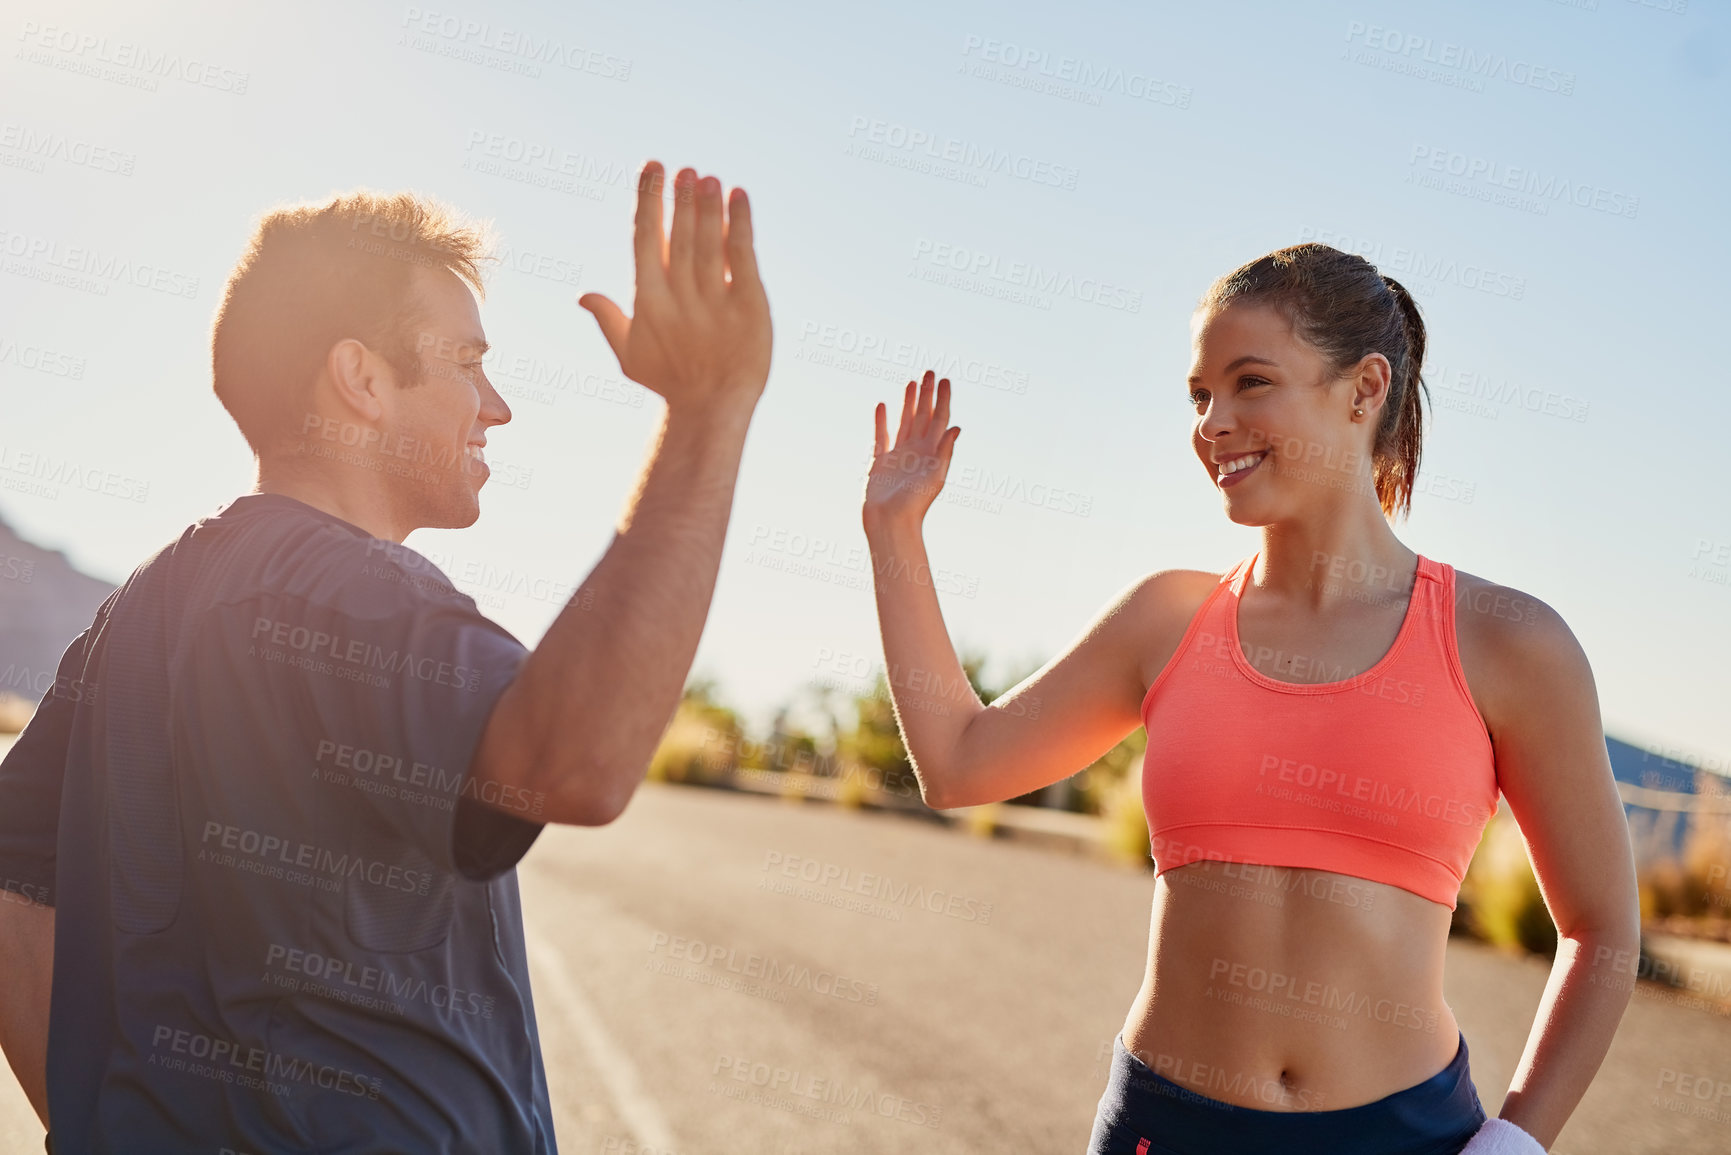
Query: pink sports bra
[(1388, 775)]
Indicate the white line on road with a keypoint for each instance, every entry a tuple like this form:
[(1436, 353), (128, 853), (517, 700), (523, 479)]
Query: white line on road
[(636, 1107)]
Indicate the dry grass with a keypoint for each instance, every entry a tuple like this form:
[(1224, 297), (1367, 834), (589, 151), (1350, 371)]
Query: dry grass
[(14, 712)]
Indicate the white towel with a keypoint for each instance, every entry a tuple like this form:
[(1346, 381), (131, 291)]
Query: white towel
[(1501, 1137)]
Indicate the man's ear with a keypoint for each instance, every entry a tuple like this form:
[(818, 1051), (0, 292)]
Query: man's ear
[(358, 377)]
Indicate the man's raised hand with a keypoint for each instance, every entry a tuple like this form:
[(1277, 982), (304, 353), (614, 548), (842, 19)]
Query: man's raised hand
[(699, 333)]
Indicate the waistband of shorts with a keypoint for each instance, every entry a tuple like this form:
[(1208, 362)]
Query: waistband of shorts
[(1445, 1105)]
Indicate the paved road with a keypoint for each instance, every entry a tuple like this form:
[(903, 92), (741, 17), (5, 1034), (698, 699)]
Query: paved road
[(968, 1007)]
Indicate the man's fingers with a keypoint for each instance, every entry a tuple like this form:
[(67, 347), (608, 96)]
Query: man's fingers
[(707, 265), (615, 325), (880, 441), (649, 241), (684, 232), (941, 417), (741, 256), (907, 425)]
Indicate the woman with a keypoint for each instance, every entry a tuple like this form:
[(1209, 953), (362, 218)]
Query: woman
[(1329, 725)]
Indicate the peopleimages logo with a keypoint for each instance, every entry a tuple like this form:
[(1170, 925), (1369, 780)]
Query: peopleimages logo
[(818, 557), (358, 653), (39, 147), (255, 1067), (1350, 786), (514, 42), (82, 48), (1283, 991), (1416, 267), (876, 886), (413, 780), (367, 985), (876, 355), (1007, 62), (790, 1089), (1023, 281), (41, 474), (43, 682), (1467, 62), (23, 893), (867, 131), (1481, 386), (274, 850), (41, 359), (103, 267), (550, 157), (771, 971), (1483, 178), (541, 265)]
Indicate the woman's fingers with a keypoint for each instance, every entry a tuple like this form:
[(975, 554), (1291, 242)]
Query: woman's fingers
[(902, 472), (925, 413), (905, 430)]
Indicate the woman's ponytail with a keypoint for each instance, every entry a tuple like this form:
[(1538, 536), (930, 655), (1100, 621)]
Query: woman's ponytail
[(1401, 433)]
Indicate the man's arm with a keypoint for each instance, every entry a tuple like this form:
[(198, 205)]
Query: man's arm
[(27, 961), (31, 777), (581, 720)]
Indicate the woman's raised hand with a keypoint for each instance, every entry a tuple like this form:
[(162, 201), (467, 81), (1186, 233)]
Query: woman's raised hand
[(905, 477)]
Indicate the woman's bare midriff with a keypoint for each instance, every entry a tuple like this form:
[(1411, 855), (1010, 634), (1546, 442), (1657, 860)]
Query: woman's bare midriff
[(1284, 989)]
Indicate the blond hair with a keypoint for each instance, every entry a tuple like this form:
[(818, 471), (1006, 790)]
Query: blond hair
[(316, 274)]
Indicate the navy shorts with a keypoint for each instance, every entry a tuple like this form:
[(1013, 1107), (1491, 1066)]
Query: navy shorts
[(1143, 1113)]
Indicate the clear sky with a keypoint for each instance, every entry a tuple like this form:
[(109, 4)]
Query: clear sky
[(1549, 178)]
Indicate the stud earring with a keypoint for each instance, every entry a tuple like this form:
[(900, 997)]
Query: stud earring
[(1358, 413)]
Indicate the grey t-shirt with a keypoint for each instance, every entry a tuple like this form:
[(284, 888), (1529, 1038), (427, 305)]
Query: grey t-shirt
[(284, 918)]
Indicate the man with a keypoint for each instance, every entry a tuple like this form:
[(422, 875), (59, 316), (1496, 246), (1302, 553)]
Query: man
[(268, 819)]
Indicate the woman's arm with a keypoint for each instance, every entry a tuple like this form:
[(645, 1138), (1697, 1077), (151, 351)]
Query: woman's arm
[(1056, 721), (1542, 710)]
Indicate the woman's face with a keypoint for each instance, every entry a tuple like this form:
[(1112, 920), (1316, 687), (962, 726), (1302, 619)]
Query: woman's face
[(1267, 403)]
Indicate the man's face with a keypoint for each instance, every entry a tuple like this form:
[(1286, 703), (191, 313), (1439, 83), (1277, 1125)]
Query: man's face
[(435, 430)]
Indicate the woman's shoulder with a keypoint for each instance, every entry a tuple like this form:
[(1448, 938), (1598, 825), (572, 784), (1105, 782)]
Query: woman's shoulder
[(1165, 602), (1511, 643), (1170, 593), (1502, 616)]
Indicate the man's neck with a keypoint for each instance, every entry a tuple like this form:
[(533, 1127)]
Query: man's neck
[(359, 505)]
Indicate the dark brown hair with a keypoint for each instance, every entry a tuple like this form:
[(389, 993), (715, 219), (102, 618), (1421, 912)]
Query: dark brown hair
[(1340, 304), (316, 274)]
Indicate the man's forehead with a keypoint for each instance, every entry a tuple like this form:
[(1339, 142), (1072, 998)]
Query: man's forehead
[(447, 306), (442, 286)]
